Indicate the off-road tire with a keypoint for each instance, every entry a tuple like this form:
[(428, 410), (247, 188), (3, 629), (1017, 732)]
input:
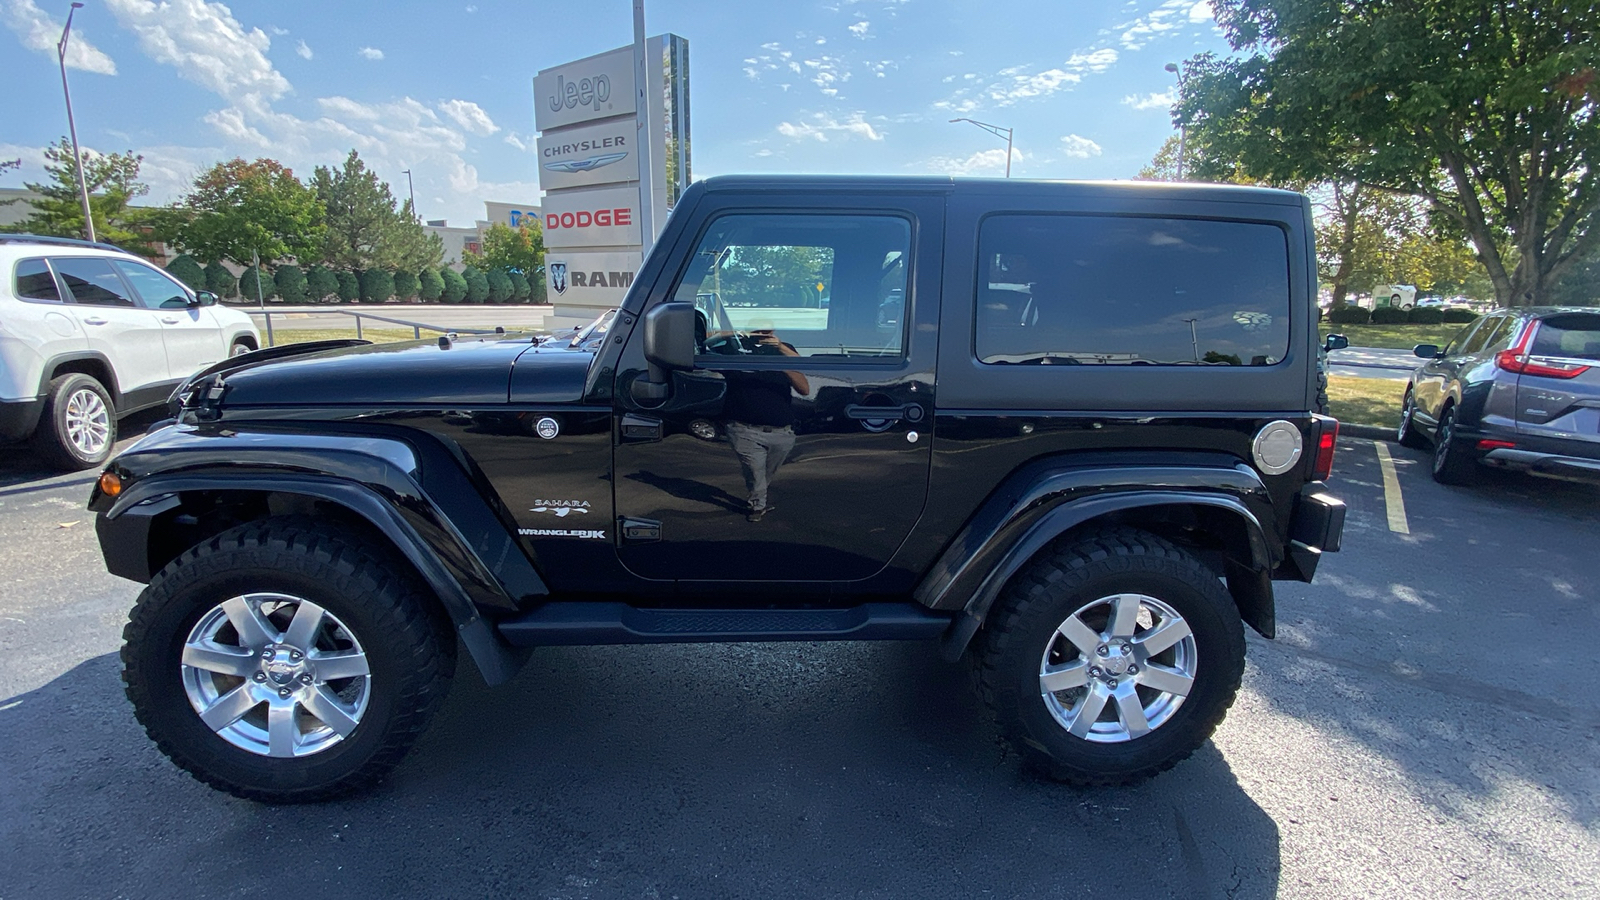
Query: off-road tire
[(1065, 577), (1452, 463), (410, 652), (1407, 433), (50, 440)]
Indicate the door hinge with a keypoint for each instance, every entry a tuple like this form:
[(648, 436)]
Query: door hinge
[(640, 531)]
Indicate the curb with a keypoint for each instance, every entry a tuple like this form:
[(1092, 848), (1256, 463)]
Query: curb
[(1351, 429)]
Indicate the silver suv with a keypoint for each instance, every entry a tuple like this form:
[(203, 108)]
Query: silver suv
[(90, 333), (1518, 389)]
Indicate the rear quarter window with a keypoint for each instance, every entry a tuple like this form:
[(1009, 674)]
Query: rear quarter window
[(35, 282), (1119, 290), (1572, 335)]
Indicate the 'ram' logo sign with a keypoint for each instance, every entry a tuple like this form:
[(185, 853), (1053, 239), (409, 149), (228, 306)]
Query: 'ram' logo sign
[(558, 277)]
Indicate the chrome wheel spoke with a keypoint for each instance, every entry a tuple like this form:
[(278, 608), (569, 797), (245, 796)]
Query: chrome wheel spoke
[(1170, 632), (222, 660), (1083, 637), (1125, 616), (253, 628), (282, 731), (302, 630), (325, 705), (1088, 711), (229, 708), (343, 664), (1130, 711), (1161, 678), (1073, 675)]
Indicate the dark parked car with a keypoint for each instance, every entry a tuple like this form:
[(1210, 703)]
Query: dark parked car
[(1080, 456), (1518, 388)]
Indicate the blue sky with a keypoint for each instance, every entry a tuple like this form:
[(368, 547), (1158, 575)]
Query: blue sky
[(445, 89)]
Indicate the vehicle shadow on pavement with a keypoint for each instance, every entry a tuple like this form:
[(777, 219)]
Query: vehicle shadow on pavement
[(702, 770)]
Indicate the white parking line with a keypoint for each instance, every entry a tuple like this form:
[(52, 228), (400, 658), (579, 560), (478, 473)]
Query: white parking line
[(1395, 503)]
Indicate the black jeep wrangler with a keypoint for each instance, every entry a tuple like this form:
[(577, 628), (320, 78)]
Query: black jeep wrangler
[(1063, 430)]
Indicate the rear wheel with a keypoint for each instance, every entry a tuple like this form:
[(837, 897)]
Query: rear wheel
[(1112, 658), (285, 661), (240, 348), (1407, 434), (1452, 464), (78, 427)]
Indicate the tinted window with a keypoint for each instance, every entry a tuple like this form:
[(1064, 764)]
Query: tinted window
[(34, 281), (1460, 340), (1480, 338), (155, 289), (824, 285), (1574, 335), (1501, 338), (1058, 289), (91, 281)]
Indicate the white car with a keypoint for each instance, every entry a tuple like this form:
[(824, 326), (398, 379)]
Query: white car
[(88, 334)]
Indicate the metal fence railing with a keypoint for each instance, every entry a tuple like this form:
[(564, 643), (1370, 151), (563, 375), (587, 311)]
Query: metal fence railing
[(417, 328)]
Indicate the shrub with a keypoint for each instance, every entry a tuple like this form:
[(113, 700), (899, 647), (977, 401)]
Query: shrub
[(521, 290), (290, 282), (349, 286), (1349, 315), (499, 285), (1457, 315), (321, 284), (477, 285), (377, 285), (455, 286), (405, 287), (220, 281), (1389, 315), (430, 287), (186, 270), (1425, 315), (253, 278)]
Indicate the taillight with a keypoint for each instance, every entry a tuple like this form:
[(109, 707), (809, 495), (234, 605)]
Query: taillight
[(1492, 444), (1327, 437), (1522, 364)]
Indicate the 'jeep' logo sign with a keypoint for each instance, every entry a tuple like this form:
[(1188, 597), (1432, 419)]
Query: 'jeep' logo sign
[(595, 88), (583, 92)]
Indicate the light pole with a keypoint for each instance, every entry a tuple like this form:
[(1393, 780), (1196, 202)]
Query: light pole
[(72, 127), (413, 192), (1183, 130), (997, 131)]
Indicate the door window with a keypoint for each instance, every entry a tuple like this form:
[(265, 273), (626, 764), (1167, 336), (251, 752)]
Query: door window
[(1480, 338), (92, 282), (157, 290), (1120, 290), (806, 285), (34, 281)]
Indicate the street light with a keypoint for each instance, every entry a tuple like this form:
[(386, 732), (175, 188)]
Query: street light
[(997, 131), (413, 192), (72, 127), (1183, 130)]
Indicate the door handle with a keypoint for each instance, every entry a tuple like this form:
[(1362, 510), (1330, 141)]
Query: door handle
[(911, 412), (639, 429), (171, 321), (94, 320)]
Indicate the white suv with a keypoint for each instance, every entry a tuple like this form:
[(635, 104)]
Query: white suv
[(89, 333)]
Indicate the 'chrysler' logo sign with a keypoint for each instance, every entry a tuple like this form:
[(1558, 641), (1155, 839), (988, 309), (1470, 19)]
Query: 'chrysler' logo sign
[(585, 165)]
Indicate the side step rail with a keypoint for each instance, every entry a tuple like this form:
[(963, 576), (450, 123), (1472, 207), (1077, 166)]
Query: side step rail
[(571, 623)]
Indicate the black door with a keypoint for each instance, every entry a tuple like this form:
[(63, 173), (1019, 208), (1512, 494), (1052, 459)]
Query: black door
[(798, 449)]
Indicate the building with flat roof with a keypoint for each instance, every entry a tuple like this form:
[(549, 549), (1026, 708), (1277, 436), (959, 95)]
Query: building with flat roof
[(459, 239)]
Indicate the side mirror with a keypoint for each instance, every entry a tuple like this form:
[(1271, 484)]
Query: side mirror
[(1335, 342), (1427, 351), (204, 298), (668, 346)]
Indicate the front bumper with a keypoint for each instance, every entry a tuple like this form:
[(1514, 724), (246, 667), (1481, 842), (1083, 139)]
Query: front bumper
[(1316, 527)]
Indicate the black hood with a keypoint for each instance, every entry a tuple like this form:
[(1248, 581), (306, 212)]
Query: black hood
[(463, 373)]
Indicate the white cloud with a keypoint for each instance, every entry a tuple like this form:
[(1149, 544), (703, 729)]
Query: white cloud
[(1163, 100), (1202, 12), (859, 29), (1166, 17), (303, 50), (516, 141), (1016, 83), (1076, 147), (372, 53), (276, 31), (822, 126), (39, 31), (984, 162), (469, 116), (206, 44)]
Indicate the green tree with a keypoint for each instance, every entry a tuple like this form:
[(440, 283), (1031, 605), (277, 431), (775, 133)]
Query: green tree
[(364, 228), (455, 285), (477, 285), (250, 278), (349, 286), (430, 287), (321, 283), (237, 210), (405, 286), (518, 249), (521, 289), (186, 270), (290, 280), (113, 182), (500, 287), (1485, 110), (377, 285), (220, 281), (1164, 165)]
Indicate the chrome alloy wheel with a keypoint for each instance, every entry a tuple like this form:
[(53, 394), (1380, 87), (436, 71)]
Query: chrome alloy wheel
[(1118, 668), (276, 675), (88, 422)]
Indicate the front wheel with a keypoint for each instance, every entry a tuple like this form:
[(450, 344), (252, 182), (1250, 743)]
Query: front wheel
[(1452, 464), (285, 661), (1111, 659)]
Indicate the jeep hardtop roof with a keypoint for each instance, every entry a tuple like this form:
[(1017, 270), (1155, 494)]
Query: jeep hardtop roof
[(1231, 193)]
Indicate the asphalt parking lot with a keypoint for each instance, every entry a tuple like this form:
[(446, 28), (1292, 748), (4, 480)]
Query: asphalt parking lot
[(1425, 725)]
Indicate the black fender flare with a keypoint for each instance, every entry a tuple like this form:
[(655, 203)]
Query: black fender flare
[(1019, 520), (94, 356)]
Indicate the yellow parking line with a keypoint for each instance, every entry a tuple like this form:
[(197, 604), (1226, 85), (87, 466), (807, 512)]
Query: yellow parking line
[(1391, 491)]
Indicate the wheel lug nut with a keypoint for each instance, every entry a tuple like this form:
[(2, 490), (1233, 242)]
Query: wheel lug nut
[(1095, 671), (294, 655), (1111, 682), (260, 676), (1133, 670), (284, 693), (305, 679), (268, 653), (1103, 650)]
